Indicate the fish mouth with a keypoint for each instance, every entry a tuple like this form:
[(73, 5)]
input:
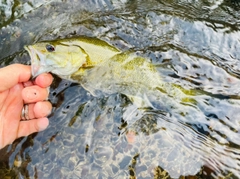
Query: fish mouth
[(36, 68)]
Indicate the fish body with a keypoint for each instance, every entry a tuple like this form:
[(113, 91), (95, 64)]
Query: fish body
[(101, 69), (67, 56)]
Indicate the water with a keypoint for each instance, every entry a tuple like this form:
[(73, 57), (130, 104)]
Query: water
[(193, 43)]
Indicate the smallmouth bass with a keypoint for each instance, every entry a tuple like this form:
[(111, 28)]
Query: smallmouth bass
[(103, 69)]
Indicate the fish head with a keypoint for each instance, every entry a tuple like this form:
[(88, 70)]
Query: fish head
[(61, 58)]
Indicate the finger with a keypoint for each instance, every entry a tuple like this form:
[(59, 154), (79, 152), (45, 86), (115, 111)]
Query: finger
[(28, 83), (13, 74), (42, 109), (28, 127), (34, 94), (38, 110), (44, 80)]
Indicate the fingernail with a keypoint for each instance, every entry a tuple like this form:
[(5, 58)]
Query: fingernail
[(42, 123), (27, 84), (49, 110), (47, 78), (44, 110), (48, 90)]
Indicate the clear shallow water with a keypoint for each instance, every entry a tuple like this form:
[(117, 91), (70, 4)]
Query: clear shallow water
[(194, 44)]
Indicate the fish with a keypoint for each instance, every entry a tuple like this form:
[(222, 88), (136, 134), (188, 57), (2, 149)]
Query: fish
[(103, 69), (66, 56)]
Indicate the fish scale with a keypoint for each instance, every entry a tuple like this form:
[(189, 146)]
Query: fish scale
[(103, 69)]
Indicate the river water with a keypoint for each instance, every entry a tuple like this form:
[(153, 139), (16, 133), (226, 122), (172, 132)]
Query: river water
[(194, 44)]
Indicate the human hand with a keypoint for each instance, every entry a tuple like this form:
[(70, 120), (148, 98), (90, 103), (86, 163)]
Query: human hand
[(17, 91)]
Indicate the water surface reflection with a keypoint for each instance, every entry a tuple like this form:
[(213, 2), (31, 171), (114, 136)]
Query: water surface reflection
[(193, 44)]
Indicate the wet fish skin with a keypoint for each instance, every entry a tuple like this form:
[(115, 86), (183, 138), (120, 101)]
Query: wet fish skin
[(102, 69), (68, 55)]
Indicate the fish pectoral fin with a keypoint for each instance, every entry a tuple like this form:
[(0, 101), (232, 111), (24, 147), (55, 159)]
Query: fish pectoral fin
[(140, 101)]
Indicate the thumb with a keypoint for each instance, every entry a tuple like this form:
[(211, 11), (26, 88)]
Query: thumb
[(13, 74)]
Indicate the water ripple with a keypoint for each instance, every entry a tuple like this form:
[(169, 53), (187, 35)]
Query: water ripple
[(194, 44)]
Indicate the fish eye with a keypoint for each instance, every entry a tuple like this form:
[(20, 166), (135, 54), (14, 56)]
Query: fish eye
[(50, 48)]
